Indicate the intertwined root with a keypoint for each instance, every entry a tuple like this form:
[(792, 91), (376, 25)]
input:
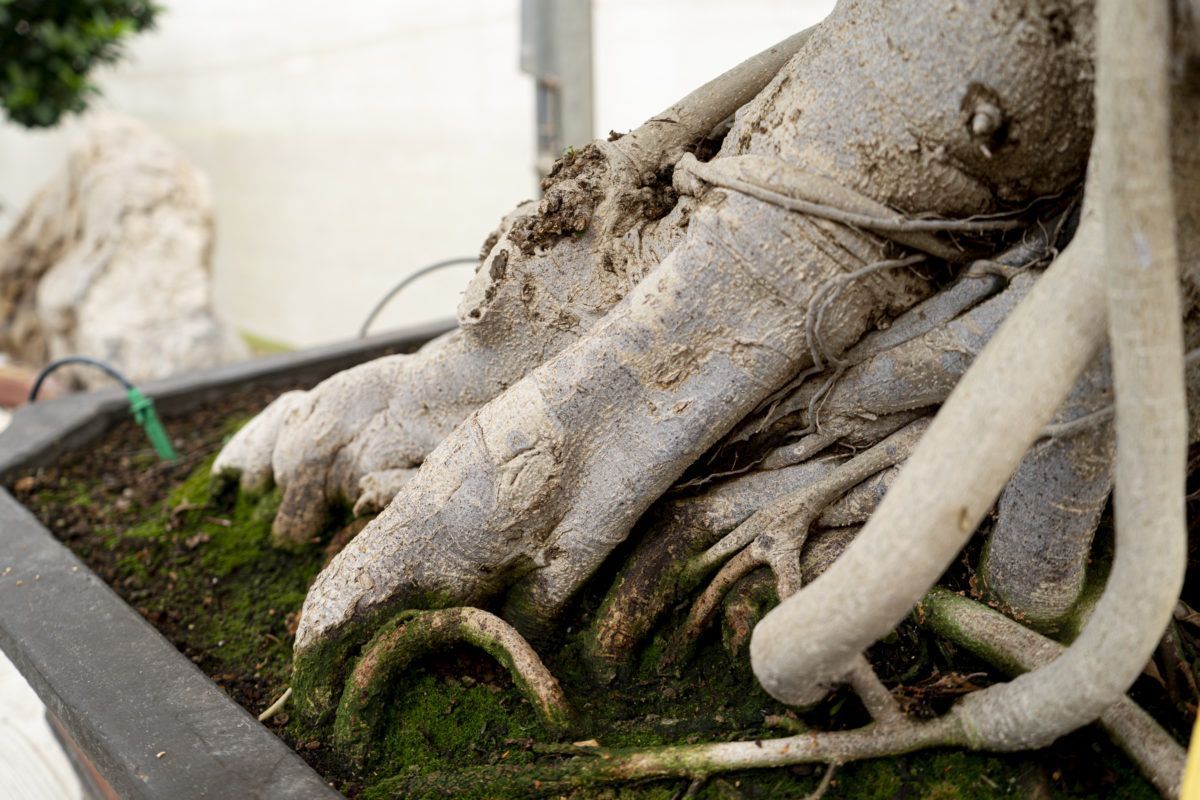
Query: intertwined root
[(718, 356)]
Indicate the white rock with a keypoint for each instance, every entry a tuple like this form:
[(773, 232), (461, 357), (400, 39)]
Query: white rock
[(113, 260)]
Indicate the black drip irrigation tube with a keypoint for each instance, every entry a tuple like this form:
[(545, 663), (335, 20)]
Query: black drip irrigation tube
[(140, 406), (402, 285)]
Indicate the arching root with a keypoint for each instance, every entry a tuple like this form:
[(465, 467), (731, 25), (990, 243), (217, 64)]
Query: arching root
[(412, 635)]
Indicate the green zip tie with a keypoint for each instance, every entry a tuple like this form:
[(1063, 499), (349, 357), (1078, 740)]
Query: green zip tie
[(142, 408)]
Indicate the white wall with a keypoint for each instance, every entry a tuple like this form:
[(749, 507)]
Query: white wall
[(349, 144)]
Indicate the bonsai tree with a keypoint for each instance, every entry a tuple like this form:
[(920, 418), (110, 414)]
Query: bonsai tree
[(913, 253), (50, 47)]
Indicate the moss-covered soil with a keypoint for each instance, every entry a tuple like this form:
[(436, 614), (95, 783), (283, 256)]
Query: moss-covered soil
[(198, 565)]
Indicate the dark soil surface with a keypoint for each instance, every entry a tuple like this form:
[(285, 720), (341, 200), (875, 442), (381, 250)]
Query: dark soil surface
[(194, 559)]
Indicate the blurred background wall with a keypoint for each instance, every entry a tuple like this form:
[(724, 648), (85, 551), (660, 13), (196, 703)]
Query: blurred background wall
[(349, 144)]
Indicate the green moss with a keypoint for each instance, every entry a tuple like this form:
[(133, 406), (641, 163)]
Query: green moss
[(211, 570), (205, 562)]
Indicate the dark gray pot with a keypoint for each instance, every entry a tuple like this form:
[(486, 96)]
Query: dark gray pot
[(138, 717)]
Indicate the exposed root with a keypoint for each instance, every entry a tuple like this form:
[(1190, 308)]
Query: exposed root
[(527, 498), (879, 702), (413, 635), (551, 271), (1015, 649), (788, 518), (1040, 546), (950, 482), (706, 605), (678, 529), (743, 608), (693, 762), (775, 536)]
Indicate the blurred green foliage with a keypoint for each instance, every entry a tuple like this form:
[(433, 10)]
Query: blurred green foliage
[(49, 47)]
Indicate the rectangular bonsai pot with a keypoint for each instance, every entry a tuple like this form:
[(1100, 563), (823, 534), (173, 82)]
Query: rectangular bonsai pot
[(138, 716)]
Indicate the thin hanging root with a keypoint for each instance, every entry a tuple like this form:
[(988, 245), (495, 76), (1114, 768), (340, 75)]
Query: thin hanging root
[(1086, 422), (1014, 648), (822, 299), (412, 635), (827, 295), (979, 282), (795, 189), (917, 372)]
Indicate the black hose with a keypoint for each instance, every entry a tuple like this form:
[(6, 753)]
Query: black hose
[(399, 287), (68, 360)]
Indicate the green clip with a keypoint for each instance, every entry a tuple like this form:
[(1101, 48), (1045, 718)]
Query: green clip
[(142, 408)]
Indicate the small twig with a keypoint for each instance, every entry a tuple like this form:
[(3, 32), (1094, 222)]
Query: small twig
[(275, 707), (826, 781), (1060, 430)]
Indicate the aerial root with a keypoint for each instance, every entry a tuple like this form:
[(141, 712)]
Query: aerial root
[(412, 635), (879, 702)]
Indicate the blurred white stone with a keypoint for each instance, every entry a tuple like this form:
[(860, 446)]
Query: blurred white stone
[(113, 259)]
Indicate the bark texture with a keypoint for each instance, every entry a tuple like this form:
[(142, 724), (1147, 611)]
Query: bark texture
[(547, 275)]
